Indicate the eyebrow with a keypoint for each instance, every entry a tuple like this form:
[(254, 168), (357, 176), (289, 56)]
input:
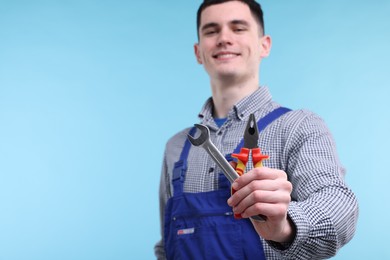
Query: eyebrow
[(239, 22)]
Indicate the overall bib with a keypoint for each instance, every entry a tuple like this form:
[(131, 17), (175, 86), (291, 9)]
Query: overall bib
[(201, 225)]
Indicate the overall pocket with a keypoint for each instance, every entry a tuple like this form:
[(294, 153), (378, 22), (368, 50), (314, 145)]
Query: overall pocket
[(210, 236)]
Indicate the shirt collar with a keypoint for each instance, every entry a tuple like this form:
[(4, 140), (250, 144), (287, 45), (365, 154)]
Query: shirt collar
[(242, 109)]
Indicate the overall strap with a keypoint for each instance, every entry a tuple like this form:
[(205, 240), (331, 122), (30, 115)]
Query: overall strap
[(180, 167)]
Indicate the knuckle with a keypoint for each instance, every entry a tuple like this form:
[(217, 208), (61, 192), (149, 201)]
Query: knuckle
[(257, 195), (290, 186), (287, 200), (282, 174), (236, 198), (281, 209), (258, 207), (257, 171), (252, 185), (287, 186)]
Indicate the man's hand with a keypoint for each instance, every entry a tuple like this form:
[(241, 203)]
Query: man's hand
[(265, 191)]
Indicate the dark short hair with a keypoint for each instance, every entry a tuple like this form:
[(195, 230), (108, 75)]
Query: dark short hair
[(255, 8)]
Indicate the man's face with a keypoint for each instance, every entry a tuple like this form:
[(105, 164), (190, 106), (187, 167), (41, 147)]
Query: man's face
[(230, 41)]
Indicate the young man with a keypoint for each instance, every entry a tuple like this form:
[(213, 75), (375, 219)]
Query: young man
[(310, 212)]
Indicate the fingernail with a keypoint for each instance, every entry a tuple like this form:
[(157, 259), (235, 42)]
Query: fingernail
[(235, 185)]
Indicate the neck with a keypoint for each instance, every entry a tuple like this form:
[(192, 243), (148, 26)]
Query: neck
[(227, 93)]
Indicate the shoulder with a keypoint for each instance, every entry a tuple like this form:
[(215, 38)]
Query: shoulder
[(301, 120), (175, 144), (178, 138), (288, 117), (299, 116), (304, 120), (304, 128), (297, 127)]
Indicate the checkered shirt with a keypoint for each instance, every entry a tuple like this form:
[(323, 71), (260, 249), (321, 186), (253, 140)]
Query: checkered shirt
[(323, 209)]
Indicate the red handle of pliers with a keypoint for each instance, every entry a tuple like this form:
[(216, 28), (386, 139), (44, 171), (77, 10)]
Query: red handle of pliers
[(258, 157), (236, 216), (242, 157)]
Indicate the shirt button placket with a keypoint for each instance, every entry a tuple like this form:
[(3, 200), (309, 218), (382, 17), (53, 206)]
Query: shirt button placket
[(218, 139)]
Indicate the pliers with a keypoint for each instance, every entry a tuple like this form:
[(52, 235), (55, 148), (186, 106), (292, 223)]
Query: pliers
[(250, 147)]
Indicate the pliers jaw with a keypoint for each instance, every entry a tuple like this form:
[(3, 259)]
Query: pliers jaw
[(251, 134)]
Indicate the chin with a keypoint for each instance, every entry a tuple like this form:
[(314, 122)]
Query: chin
[(227, 74), (225, 70)]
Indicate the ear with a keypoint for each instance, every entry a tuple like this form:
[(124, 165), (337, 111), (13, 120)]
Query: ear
[(265, 45), (197, 53)]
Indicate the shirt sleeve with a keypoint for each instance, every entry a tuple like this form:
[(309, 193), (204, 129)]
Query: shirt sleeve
[(323, 209), (164, 190)]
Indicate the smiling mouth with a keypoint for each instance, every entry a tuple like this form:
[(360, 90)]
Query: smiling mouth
[(225, 56)]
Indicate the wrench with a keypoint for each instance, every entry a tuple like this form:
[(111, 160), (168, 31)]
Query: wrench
[(204, 141)]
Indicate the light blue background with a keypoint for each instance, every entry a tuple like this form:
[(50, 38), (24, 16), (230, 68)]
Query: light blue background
[(91, 90)]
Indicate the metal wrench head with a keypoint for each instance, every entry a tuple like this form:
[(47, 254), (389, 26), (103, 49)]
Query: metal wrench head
[(204, 135)]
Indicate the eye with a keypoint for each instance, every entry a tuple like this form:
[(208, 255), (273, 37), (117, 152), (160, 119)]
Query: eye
[(240, 29), (210, 32)]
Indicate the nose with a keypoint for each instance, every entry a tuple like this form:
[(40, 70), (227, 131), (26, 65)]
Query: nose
[(224, 38)]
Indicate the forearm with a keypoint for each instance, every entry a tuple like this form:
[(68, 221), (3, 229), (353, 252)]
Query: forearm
[(322, 225)]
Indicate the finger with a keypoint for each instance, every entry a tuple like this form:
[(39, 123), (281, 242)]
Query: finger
[(262, 173), (260, 196), (255, 190), (240, 194), (269, 185), (278, 210)]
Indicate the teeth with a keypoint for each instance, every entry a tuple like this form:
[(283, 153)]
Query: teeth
[(229, 55)]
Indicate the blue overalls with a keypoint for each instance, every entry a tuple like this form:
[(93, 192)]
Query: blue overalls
[(201, 225)]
